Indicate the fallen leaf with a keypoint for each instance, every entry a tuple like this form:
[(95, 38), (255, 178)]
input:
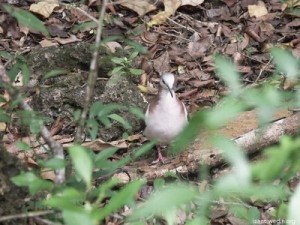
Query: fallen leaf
[(112, 46), (48, 174), (64, 41), (159, 18), (44, 8), (192, 2), (257, 10), (141, 7), (2, 126), (47, 43), (162, 63)]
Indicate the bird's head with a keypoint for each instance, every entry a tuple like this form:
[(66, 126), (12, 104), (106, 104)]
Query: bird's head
[(167, 81)]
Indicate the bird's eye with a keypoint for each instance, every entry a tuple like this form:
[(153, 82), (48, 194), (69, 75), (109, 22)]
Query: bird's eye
[(164, 81)]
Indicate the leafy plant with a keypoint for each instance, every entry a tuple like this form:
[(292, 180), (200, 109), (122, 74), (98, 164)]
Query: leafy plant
[(124, 65)]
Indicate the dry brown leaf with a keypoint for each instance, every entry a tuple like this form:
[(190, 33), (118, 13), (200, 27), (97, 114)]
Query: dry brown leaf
[(44, 8), (159, 18), (2, 126), (134, 137), (99, 145), (112, 46), (6, 97), (170, 8), (48, 174), (192, 2), (47, 43), (64, 41), (141, 7), (162, 63), (257, 10)]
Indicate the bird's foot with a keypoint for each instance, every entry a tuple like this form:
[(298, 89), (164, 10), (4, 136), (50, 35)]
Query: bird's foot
[(160, 157)]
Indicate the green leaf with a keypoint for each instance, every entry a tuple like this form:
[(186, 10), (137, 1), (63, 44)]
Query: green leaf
[(136, 71), (137, 112), (3, 116), (286, 62), (82, 163), (23, 146), (277, 159), (137, 46), (93, 128), (121, 120), (6, 55), (68, 199), (33, 182), (117, 69), (13, 72), (105, 121), (101, 158), (240, 175), (76, 217), (25, 72), (107, 109), (84, 26), (143, 149), (121, 198), (77, 114), (26, 18), (189, 134), (119, 61), (54, 73), (95, 109), (165, 199), (133, 55), (54, 163), (227, 72)]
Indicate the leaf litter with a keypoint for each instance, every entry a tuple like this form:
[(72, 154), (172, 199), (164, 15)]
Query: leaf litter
[(181, 36)]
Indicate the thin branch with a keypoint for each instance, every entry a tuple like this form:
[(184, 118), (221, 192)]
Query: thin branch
[(54, 146), (26, 215), (87, 15), (92, 75)]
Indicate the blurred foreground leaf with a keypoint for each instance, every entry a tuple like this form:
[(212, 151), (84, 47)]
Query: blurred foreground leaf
[(82, 162), (165, 199), (27, 19), (32, 181)]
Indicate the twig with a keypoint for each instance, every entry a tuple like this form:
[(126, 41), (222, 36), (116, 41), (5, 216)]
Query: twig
[(173, 35), (184, 27), (45, 221), (54, 146), (88, 15), (92, 75), (26, 215), (261, 70)]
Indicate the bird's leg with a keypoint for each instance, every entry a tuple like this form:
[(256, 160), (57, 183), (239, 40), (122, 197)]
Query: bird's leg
[(160, 157)]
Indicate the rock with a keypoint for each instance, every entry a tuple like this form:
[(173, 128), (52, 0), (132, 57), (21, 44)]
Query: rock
[(120, 89), (63, 94)]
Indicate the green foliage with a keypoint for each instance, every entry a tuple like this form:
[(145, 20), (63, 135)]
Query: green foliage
[(165, 201), (26, 18), (34, 183), (124, 65), (20, 66), (226, 71), (286, 62), (82, 162), (54, 73), (282, 161), (85, 200), (54, 163)]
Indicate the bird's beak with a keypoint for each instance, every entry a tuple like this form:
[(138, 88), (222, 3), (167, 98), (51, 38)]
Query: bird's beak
[(170, 90)]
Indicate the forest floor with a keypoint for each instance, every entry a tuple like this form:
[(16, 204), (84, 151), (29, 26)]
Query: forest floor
[(178, 38)]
